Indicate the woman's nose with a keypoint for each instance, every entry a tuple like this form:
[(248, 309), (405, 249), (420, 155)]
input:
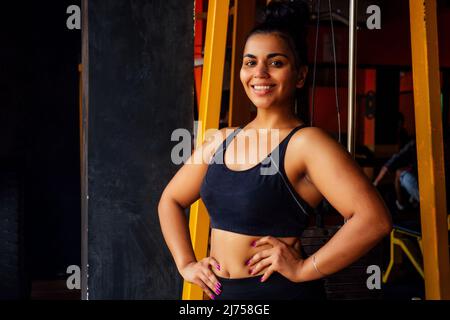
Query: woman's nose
[(260, 71)]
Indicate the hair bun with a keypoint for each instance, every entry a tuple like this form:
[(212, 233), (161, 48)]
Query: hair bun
[(293, 14), (289, 18)]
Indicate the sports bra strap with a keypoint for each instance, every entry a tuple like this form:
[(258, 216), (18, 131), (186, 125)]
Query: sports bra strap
[(281, 170), (220, 152), (293, 131), (284, 143), (231, 136)]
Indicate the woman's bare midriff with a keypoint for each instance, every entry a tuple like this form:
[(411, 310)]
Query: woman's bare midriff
[(232, 250)]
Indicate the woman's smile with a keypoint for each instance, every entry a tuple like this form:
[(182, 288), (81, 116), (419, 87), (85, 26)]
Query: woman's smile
[(262, 90)]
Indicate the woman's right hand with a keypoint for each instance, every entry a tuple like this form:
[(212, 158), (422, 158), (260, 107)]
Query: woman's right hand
[(200, 274)]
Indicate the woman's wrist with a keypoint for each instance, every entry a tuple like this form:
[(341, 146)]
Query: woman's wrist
[(184, 264), (299, 272), (313, 259), (309, 270)]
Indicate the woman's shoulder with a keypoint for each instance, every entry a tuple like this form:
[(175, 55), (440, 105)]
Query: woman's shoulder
[(311, 134), (312, 138)]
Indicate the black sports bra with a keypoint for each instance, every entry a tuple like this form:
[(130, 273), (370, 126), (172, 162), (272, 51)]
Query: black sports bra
[(257, 201)]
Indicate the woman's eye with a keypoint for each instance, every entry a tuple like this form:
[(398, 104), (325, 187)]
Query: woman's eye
[(277, 63)]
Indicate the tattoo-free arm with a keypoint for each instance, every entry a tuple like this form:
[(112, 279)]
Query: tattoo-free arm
[(342, 182)]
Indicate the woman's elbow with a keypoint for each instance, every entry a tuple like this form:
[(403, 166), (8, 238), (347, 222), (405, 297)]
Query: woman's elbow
[(385, 224), (381, 217), (379, 223), (387, 228), (167, 202)]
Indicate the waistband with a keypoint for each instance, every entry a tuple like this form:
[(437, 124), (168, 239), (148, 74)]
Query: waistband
[(276, 287)]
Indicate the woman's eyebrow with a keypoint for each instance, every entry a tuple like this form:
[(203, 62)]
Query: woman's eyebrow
[(270, 55)]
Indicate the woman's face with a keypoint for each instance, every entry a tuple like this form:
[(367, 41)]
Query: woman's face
[(268, 71)]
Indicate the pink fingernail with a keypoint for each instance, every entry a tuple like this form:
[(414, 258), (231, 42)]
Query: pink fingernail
[(217, 291), (261, 280), (218, 267), (248, 262), (253, 243), (213, 297), (250, 271), (218, 285)]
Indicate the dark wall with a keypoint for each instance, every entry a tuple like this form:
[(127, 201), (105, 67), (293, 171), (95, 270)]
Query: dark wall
[(39, 139), (140, 89), (52, 158), (12, 106)]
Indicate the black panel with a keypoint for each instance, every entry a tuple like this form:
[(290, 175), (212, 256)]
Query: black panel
[(387, 100), (140, 90), (52, 193), (39, 138), (13, 278)]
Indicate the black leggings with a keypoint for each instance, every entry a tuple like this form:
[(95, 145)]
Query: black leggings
[(276, 287)]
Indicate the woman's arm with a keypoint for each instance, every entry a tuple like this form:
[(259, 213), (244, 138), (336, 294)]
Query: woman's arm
[(180, 193), (175, 230), (342, 182), (182, 190)]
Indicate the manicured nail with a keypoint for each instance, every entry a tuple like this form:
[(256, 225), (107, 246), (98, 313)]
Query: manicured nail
[(262, 279), (218, 267), (248, 262), (253, 243), (218, 285), (217, 291), (213, 297), (250, 271)]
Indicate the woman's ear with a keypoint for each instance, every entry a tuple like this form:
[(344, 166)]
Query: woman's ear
[(302, 72)]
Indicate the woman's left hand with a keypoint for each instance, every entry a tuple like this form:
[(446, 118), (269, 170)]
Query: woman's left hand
[(281, 258)]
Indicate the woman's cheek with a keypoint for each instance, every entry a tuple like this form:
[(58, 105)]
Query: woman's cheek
[(243, 76)]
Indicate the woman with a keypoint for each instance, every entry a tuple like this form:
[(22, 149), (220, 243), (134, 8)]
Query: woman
[(257, 216)]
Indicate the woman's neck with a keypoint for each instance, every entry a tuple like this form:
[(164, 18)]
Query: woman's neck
[(275, 119)]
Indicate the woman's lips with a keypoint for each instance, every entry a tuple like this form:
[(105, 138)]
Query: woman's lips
[(262, 90)]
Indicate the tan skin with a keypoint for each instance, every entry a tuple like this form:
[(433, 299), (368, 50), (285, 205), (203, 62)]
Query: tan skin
[(316, 165)]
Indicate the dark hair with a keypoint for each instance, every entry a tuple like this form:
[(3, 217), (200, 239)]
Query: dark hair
[(289, 19)]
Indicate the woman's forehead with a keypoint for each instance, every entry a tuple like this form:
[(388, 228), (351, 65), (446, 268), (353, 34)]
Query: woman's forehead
[(263, 44)]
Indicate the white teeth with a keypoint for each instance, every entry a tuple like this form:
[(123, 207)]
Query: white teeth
[(262, 87)]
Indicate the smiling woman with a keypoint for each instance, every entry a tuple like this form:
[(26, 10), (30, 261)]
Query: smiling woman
[(269, 54), (257, 218)]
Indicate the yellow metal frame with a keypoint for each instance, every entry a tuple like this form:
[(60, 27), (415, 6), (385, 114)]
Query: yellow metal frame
[(209, 114), (425, 65), (402, 240)]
